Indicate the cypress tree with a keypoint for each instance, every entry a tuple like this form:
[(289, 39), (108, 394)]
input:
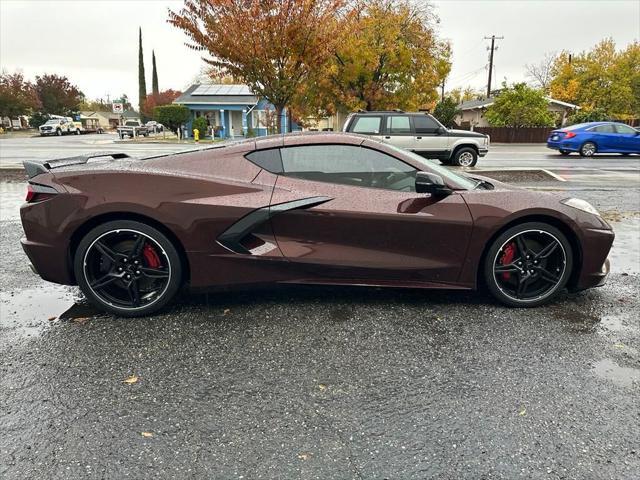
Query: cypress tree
[(154, 75), (142, 84)]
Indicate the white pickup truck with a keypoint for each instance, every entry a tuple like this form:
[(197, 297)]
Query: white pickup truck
[(60, 126), (132, 128)]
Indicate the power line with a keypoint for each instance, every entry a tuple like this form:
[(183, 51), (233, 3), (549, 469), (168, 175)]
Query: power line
[(493, 48)]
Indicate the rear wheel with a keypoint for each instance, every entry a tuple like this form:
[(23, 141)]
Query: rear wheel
[(465, 157), (58, 132), (588, 149), (128, 268), (528, 264)]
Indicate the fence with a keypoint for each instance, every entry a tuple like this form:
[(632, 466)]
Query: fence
[(516, 135)]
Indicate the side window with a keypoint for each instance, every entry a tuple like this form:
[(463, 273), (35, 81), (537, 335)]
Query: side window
[(348, 165), (608, 128), (398, 124), (268, 159), (425, 124), (625, 129), (368, 125)]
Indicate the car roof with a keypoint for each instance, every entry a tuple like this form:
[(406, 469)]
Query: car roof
[(389, 112), (308, 138)]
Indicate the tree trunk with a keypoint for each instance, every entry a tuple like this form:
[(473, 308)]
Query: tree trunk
[(279, 109)]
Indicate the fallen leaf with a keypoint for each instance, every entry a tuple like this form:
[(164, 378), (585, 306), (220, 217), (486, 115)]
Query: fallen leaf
[(51, 319), (131, 379), (305, 455), (322, 386), (618, 345), (523, 412), (81, 320), (226, 310), (147, 434)]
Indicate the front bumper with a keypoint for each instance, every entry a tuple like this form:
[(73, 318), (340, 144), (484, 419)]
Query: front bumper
[(596, 245)]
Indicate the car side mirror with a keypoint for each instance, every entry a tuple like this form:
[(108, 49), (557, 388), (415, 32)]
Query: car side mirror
[(431, 183), (441, 130)]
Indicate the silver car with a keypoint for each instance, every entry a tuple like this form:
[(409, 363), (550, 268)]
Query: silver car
[(421, 133)]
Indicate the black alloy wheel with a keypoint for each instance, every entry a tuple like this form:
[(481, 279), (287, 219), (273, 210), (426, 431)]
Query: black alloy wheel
[(128, 268), (528, 264)]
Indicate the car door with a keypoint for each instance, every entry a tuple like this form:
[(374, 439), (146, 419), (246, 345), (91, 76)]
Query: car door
[(605, 137), (430, 141), (628, 139), (398, 131), (367, 223)]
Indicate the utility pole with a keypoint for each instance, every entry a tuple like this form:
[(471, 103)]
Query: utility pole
[(493, 39), (442, 96)]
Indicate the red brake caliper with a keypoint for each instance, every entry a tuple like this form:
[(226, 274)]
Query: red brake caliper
[(507, 257), (150, 256)]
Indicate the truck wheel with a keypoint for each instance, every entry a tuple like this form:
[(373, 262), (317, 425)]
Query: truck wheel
[(465, 157), (58, 132), (77, 131)]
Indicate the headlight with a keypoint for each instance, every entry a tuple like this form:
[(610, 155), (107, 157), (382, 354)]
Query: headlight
[(581, 205)]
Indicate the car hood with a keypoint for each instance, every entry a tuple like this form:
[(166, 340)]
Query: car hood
[(465, 133)]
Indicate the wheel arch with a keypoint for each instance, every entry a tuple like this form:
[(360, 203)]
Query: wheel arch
[(564, 227), (460, 146), (93, 222)]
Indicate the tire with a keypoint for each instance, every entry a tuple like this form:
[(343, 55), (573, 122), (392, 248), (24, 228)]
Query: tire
[(58, 132), (564, 152), (117, 273), (77, 131), (545, 277), (588, 149), (464, 157)]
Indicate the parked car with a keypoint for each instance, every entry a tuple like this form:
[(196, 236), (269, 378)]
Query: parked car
[(59, 126), (595, 137), (132, 128), (154, 127), (421, 133), (347, 210)]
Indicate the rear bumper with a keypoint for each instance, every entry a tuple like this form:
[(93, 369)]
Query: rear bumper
[(560, 145), (48, 262)]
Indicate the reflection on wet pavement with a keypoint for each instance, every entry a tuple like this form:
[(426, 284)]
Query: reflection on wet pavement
[(625, 254), (27, 313), (12, 195), (610, 370)]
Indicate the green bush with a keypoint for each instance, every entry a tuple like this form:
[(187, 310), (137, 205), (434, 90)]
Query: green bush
[(446, 112), (172, 116), (37, 119), (588, 115), (200, 123)]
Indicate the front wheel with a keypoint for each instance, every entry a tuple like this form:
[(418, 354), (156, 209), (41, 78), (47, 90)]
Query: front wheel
[(588, 149), (528, 264), (465, 157), (128, 268), (77, 131), (59, 132)]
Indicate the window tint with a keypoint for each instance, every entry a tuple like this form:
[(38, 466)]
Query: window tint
[(625, 129), (398, 124), (267, 159), (425, 124), (608, 128), (369, 125), (348, 165)]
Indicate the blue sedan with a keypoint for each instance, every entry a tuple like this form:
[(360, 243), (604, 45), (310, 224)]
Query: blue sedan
[(595, 137)]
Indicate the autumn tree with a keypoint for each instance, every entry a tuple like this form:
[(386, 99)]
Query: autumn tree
[(57, 95), (603, 79), (17, 96), (155, 100), (520, 106), (274, 46), (460, 95), (94, 105), (388, 56)]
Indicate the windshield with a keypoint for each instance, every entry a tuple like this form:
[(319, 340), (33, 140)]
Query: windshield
[(131, 124), (51, 122), (576, 126), (444, 172)]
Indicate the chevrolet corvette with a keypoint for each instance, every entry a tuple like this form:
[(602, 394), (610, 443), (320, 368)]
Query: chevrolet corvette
[(332, 209)]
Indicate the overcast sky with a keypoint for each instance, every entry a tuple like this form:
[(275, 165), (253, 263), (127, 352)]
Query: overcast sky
[(94, 43)]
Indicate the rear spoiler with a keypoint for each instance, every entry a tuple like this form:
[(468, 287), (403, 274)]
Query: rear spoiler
[(34, 168)]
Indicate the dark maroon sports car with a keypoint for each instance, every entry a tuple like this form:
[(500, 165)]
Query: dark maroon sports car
[(335, 209)]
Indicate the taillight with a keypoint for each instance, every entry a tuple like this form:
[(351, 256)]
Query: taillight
[(569, 135), (38, 193)]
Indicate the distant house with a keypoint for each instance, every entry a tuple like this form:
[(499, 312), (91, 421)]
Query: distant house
[(230, 110), (107, 120), (472, 112)]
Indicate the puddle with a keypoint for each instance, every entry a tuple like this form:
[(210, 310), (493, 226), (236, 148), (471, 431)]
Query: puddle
[(625, 254), (610, 370), (11, 197), (28, 313)]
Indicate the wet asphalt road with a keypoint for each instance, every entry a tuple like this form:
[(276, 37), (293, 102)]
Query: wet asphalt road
[(307, 382)]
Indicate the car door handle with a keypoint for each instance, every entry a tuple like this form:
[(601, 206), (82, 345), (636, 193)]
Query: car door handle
[(418, 138), (387, 137)]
